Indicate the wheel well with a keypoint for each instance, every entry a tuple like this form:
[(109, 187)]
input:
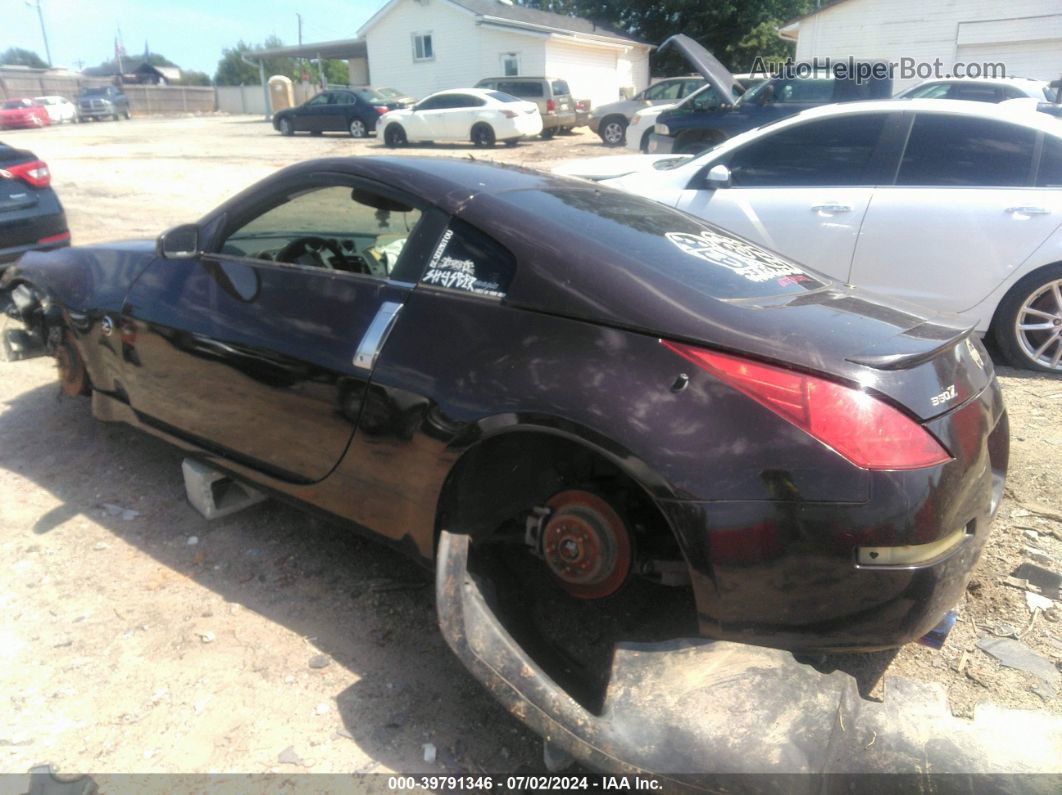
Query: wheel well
[(480, 125), (503, 477), (615, 117), (643, 145)]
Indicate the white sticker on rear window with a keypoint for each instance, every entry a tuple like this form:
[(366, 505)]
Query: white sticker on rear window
[(745, 259), (460, 272)]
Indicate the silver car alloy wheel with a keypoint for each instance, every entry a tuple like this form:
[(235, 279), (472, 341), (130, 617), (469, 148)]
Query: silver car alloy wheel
[(1038, 325), (357, 129), (613, 133)]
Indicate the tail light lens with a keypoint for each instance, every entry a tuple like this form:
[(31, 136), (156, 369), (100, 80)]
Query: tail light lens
[(508, 114), (34, 173), (551, 106), (381, 109), (868, 432)]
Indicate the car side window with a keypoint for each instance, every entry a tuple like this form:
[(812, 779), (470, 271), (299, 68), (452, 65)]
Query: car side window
[(690, 86), (335, 227), (468, 261), (560, 88), (659, 91), (320, 99), (433, 103), (974, 92), (1050, 172), (829, 152), (522, 89), (953, 151), (935, 91), (345, 99), (465, 101)]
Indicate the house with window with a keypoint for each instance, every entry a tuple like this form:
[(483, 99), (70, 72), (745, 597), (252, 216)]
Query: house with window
[(1023, 35), (422, 46)]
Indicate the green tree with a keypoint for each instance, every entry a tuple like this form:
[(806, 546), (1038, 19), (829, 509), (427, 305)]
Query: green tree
[(16, 56), (190, 77), (234, 71)]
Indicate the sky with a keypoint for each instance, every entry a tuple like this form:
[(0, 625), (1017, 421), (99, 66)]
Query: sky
[(191, 33)]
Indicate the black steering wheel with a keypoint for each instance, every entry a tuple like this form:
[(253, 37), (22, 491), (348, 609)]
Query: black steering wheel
[(311, 247)]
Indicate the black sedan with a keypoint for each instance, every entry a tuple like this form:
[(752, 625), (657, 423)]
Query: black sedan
[(609, 410), (353, 110), (31, 217)]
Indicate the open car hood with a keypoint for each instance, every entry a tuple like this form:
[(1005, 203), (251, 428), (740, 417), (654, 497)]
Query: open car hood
[(705, 63)]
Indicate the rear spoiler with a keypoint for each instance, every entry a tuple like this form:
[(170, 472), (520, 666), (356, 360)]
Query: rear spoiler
[(889, 354)]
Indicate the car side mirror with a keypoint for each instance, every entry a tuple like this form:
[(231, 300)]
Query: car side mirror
[(180, 242), (718, 177)]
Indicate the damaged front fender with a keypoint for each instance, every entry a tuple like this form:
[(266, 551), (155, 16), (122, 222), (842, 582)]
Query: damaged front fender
[(696, 709)]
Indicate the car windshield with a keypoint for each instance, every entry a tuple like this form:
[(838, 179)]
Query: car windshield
[(372, 97), (390, 93), (16, 103), (503, 97), (94, 92)]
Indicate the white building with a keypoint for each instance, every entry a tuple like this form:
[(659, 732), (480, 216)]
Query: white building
[(422, 46), (1025, 35)]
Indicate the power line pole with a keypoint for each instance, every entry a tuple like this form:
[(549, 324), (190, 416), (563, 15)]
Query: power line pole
[(298, 16), (44, 33)]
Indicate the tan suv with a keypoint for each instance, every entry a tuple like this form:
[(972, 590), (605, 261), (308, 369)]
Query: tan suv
[(553, 97)]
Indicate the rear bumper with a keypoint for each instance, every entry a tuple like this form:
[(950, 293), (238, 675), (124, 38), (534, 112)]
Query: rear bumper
[(16, 239), (679, 709), (559, 119), (789, 573)]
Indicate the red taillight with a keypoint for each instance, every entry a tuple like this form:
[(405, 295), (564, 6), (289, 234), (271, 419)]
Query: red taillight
[(44, 241), (381, 109), (509, 114), (868, 432), (35, 173), (551, 106)]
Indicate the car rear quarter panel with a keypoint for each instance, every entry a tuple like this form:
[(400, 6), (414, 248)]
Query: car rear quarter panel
[(458, 370)]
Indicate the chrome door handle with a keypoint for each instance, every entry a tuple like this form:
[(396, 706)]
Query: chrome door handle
[(831, 208), (376, 335), (1028, 211)]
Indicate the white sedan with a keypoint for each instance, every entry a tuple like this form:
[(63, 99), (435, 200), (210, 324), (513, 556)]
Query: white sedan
[(956, 205), (478, 115), (59, 109)]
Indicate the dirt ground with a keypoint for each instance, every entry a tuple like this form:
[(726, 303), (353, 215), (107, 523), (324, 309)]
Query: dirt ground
[(138, 637)]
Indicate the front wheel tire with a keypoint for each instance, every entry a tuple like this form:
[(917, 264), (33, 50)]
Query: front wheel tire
[(394, 136), (1028, 323), (614, 131), (286, 128), (483, 135)]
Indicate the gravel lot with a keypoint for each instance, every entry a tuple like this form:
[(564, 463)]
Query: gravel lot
[(138, 637)]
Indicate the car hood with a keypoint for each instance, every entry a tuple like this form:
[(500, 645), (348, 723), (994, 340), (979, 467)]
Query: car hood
[(705, 63), (597, 168)]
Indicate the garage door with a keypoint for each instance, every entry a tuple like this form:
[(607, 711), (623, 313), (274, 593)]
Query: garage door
[(1039, 60), (591, 72)]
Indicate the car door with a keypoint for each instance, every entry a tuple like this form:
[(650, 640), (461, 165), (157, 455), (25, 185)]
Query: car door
[(427, 121), (463, 110), (962, 215), (312, 115), (260, 349), (801, 190), (342, 108)]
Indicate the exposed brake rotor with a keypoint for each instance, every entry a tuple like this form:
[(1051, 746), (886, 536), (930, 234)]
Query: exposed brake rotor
[(586, 545)]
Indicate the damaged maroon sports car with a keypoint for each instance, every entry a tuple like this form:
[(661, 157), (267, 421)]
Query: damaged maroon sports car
[(601, 420)]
